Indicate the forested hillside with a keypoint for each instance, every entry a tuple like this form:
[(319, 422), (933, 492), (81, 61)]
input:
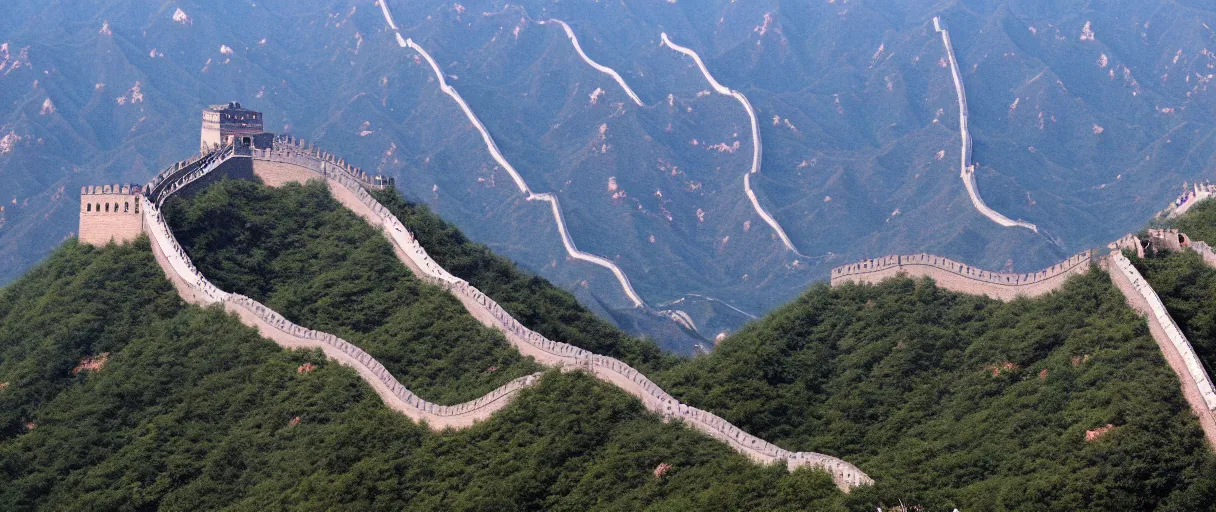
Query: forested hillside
[(954, 400), (193, 411), (945, 399), (301, 253)]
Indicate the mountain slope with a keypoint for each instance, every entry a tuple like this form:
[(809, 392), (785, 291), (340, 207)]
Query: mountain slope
[(904, 377), (1082, 132), (301, 253), (950, 400), (193, 411), (947, 400)]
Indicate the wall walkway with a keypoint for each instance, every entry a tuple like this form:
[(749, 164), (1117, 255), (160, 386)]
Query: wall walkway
[(1196, 384), (351, 194), (757, 146), (1195, 381), (597, 66), (194, 288)]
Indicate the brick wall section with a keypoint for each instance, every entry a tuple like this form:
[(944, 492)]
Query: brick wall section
[(291, 162), (1196, 383), (963, 278), (110, 213), (277, 174), (349, 191)]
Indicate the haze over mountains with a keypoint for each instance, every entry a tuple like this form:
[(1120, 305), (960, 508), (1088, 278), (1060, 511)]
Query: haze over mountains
[(1085, 123)]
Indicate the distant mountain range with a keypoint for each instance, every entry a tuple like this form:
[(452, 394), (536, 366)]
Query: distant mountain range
[(1085, 121)]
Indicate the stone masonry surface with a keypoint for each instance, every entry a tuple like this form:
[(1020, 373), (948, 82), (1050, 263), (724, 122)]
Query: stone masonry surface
[(961, 277), (109, 212), (1178, 352)]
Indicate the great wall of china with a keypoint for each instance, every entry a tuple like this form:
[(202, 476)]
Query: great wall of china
[(951, 275), (291, 161), (966, 169), (1194, 379), (598, 67), (961, 277), (757, 146), (567, 240)]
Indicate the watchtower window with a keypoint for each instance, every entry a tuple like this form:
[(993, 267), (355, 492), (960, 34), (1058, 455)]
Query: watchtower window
[(137, 207), (107, 207), (126, 207), (88, 207)]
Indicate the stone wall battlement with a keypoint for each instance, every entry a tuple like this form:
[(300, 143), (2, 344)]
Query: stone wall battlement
[(125, 189), (349, 186), (421, 410), (350, 192), (109, 213), (1158, 313), (287, 145), (1195, 381), (961, 277)]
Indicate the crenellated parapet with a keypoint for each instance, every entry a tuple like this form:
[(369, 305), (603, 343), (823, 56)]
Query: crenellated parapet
[(963, 278), (1196, 383), (110, 213), (1130, 242), (286, 147), (273, 325)]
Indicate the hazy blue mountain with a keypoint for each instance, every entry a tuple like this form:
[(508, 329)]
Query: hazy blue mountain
[(1086, 120)]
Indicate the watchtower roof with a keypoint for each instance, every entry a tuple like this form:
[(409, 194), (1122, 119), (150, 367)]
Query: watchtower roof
[(233, 106)]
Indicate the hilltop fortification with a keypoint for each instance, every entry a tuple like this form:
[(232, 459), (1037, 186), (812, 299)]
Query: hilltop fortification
[(110, 213), (232, 123), (283, 160)]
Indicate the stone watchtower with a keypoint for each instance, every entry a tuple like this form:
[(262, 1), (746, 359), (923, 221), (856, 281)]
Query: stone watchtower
[(233, 124), (110, 212)]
